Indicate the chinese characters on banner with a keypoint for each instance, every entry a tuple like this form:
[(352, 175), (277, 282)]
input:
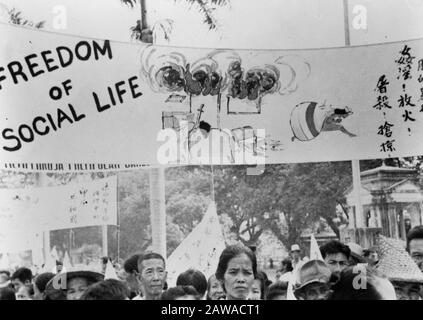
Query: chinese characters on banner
[(54, 208), (409, 79)]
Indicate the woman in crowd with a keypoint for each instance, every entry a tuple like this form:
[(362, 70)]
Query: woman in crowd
[(180, 293), (215, 289), (237, 269), (259, 287), (195, 278)]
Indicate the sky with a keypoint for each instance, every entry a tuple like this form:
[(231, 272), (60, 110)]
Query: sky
[(248, 24)]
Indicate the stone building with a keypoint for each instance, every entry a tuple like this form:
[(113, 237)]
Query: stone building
[(392, 202)]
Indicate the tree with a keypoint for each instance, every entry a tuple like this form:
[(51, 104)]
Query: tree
[(144, 32), (14, 16)]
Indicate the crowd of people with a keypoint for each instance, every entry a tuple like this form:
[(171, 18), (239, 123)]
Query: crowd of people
[(340, 272)]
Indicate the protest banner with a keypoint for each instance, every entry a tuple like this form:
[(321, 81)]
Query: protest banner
[(76, 104)]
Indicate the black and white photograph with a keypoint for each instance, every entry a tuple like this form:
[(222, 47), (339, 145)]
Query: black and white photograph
[(211, 150)]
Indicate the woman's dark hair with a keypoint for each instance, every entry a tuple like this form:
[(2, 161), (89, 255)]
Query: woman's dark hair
[(346, 288), (277, 289), (110, 289), (42, 279), (7, 293), (231, 252), (264, 283), (131, 264), (193, 278), (179, 291)]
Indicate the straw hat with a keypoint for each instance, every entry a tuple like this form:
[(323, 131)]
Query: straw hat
[(57, 281), (395, 263)]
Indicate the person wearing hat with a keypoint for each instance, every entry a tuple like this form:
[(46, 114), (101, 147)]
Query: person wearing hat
[(313, 281), (400, 269), (73, 283), (295, 256)]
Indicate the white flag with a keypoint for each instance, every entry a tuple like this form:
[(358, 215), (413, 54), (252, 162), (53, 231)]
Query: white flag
[(110, 272), (67, 264), (315, 253), (200, 250)]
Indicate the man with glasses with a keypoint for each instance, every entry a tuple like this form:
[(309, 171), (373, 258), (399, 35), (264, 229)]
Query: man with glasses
[(336, 256), (152, 275)]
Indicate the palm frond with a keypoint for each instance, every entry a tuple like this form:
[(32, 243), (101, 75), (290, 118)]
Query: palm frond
[(130, 3), (207, 8)]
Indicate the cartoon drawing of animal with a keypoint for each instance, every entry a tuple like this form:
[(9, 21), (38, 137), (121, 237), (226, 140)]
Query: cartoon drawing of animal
[(308, 120)]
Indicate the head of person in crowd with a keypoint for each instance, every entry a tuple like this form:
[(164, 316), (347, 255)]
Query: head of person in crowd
[(4, 279), (415, 245), (362, 283), (336, 255), (406, 290), (59, 266), (25, 293), (73, 284), (152, 275), (295, 254), (396, 264), (356, 255), (284, 270), (21, 277), (277, 291), (131, 274), (371, 256), (194, 278), (259, 287), (40, 283), (237, 269), (7, 293), (286, 265), (104, 261), (215, 289), (314, 281), (181, 293), (109, 289)]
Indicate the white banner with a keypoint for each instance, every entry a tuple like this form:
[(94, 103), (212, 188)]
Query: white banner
[(33, 210), (75, 104)]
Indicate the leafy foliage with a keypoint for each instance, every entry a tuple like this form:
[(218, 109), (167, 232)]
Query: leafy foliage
[(15, 17)]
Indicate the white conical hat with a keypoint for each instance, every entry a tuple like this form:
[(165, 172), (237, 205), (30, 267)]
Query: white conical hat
[(395, 263)]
